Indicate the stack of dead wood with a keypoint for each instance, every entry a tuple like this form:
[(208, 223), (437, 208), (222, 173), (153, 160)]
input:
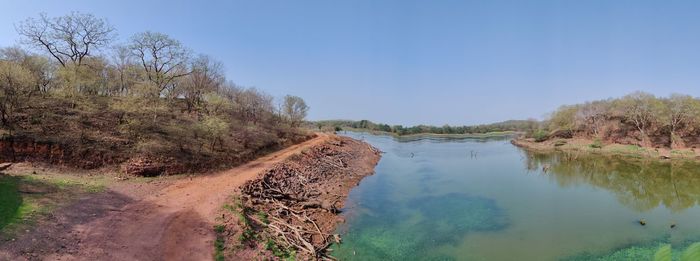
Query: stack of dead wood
[(300, 195)]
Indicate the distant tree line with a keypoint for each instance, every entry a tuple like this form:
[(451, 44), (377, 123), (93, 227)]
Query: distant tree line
[(649, 120), (71, 69), (511, 125)]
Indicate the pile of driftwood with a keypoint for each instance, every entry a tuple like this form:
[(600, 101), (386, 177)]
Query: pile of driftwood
[(299, 196)]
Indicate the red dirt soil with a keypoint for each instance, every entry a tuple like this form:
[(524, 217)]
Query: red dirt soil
[(174, 223)]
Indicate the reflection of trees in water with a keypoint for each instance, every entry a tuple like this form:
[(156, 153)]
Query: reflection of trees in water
[(639, 184)]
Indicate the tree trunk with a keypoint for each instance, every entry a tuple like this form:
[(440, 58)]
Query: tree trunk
[(646, 141), (676, 141)]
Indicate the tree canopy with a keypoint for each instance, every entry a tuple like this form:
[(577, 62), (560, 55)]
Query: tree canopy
[(653, 121)]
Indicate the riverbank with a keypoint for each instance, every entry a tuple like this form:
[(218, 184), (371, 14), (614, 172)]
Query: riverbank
[(437, 135), (292, 209), (582, 145)]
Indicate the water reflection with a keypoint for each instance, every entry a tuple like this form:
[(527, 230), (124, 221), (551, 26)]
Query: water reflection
[(639, 184)]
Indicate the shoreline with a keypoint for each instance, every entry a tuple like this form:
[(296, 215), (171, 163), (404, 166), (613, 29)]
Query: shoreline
[(583, 145), (437, 135), (293, 208)]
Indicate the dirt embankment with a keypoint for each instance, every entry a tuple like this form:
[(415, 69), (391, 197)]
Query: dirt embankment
[(119, 154), (294, 206), (587, 145)]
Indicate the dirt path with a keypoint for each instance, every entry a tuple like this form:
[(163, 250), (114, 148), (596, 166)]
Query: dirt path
[(174, 224)]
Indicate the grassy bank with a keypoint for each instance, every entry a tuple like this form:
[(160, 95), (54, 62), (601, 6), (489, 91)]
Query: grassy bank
[(580, 145), (26, 196)]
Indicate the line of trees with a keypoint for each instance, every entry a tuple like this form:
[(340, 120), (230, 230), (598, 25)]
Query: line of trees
[(81, 62), (512, 125), (653, 121), (72, 63)]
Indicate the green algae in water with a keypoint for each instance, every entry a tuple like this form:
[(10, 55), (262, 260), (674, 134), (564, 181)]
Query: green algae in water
[(434, 221), (453, 215), (655, 250)]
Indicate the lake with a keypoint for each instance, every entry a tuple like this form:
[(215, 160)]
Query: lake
[(485, 199)]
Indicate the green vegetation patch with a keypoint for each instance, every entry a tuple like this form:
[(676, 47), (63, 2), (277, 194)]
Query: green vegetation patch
[(23, 197), (280, 251), (597, 144), (12, 206), (219, 243), (540, 135)]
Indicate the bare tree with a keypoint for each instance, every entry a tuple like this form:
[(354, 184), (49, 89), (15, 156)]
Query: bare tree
[(207, 76), (126, 69), (68, 38), (679, 111), (164, 59), (295, 109), (641, 109), (252, 104), (593, 115)]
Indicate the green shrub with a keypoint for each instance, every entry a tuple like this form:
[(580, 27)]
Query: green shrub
[(540, 135), (219, 246), (279, 251), (219, 229), (597, 144)]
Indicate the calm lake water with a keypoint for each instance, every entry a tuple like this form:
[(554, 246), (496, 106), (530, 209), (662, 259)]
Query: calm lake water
[(485, 199)]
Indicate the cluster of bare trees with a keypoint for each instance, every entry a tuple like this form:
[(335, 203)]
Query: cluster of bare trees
[(676, 117), (77, 58)]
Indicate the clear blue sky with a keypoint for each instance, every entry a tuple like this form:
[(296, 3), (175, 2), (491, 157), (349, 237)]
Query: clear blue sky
[(433, 62)]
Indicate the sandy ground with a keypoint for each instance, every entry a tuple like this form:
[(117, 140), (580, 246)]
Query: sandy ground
[(172, 223)]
